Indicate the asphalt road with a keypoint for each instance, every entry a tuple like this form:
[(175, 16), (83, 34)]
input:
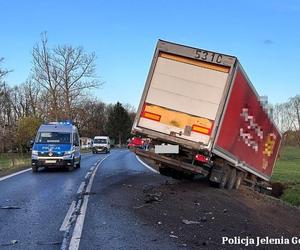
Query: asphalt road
[(116, 212), (111, 222), (43, 200)]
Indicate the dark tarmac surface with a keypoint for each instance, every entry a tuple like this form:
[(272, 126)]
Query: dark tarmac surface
[(44, 199), (131, 207)]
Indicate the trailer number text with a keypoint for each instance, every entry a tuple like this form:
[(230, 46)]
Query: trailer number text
[(208, 56)]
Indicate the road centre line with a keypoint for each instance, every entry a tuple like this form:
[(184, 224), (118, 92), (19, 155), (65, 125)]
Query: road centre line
[(65, 223), (81, 187), (76, 235), (14, 174), (146, 165)]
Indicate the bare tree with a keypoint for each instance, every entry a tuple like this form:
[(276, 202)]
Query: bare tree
[(45, 74), (77, 73), (65, 73), (3, 72), (294, 113), (287, 117)]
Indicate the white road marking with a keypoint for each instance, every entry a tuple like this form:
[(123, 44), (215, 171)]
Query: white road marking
[(81, 187), (76, 236), (14, 174), (65, 223), (88, 173), (146, 165)]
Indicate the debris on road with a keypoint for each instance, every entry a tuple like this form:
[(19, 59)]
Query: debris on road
[(190, 222), (173, 236), (153, 197), (152, 194), (127, 185), (88, 193), (203, 219), (49, 243), (159, 223), (12, 242), (138, 207), (10, 207)]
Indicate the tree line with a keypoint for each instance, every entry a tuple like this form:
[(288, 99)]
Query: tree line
[(287, 117), (58, 88)]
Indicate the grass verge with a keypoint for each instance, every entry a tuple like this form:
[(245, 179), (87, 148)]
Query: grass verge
[(12, 162), (287, 172)]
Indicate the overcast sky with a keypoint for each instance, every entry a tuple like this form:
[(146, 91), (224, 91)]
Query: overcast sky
[(264, 35)]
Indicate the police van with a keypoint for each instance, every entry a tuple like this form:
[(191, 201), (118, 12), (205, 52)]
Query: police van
[(56, 145)]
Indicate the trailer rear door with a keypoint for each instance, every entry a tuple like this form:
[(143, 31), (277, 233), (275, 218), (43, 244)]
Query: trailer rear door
[(183, 97)]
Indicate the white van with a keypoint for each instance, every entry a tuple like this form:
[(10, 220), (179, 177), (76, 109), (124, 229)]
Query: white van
[(101, 144)]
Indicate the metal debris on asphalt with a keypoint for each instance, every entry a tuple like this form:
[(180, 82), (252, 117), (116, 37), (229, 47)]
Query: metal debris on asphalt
[(10, 207), (12, 242), (49, 243), (153, 197), (190, 222), (138, 207)]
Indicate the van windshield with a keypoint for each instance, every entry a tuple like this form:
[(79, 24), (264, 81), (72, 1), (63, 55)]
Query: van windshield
[(100, 141), (53, 137)]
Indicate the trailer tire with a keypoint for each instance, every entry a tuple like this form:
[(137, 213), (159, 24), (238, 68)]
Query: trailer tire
[(239, 179), (225, 177), (232, 179)]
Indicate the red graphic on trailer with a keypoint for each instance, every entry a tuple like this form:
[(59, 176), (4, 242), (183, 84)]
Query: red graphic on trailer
[(246, 131)]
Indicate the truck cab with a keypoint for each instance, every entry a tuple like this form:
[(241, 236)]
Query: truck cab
[(56, 145), (101, 144)]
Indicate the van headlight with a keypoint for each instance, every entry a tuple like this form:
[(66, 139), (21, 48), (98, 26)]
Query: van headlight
[(35, 152), (69, 153)]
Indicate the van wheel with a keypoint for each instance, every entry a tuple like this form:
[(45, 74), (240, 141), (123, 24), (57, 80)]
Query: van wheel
[(34, 169), (71, 167), (78, 165), (232, 179)]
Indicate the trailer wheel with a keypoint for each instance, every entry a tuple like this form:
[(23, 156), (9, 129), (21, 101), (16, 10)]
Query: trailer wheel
[(239, 179), (232, 179), (225, 177)]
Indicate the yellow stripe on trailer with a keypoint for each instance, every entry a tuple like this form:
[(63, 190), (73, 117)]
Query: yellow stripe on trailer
[(194, 62), (178, 119)]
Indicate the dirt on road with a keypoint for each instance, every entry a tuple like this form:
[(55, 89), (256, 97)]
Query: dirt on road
[(195, 215)]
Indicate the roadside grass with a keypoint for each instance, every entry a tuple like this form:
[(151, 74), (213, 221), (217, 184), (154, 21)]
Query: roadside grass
[(287, 172), (11, 162)]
